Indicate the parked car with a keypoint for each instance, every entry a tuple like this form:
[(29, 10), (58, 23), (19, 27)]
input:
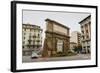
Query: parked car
[(34, 55)]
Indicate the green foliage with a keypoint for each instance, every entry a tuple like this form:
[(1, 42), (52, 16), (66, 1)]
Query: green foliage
[(78, 48)]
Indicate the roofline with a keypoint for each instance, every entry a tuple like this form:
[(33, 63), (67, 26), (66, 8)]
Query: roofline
[(31, 25), (57, 23), (84, 19), (76, 31), (73, 42)]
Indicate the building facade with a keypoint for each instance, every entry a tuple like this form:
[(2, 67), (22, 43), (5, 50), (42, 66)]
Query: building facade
[(31, 38), (86, 34), (76, 37), (57, 38)]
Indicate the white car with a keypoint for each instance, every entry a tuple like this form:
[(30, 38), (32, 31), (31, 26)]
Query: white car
[(34, 55)]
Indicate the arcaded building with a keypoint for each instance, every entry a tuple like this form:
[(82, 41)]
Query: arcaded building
[(86, 34), (57, 38), (31, 38)]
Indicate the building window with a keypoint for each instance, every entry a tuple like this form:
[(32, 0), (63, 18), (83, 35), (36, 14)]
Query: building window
[(86, 31), (87, 36), (34, 36), (23, 46), (24, 33), (24, 37), (29, 41), (84, 47), (88, 46), (38, 40), (81, 26), (83, 37), (85, 25), (83, 32), (38, 35), (30, 29), (23, 42), (24, 29), (33, 46)]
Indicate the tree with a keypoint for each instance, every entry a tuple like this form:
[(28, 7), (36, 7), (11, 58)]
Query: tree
[(78, 48)]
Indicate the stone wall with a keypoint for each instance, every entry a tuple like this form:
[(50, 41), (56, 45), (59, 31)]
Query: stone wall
[(50, 44)]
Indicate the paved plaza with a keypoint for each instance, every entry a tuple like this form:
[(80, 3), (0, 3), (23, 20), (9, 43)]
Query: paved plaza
[(27, 59)]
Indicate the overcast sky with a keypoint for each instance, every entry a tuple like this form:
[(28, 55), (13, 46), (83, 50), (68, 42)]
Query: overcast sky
[(69, 19)]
